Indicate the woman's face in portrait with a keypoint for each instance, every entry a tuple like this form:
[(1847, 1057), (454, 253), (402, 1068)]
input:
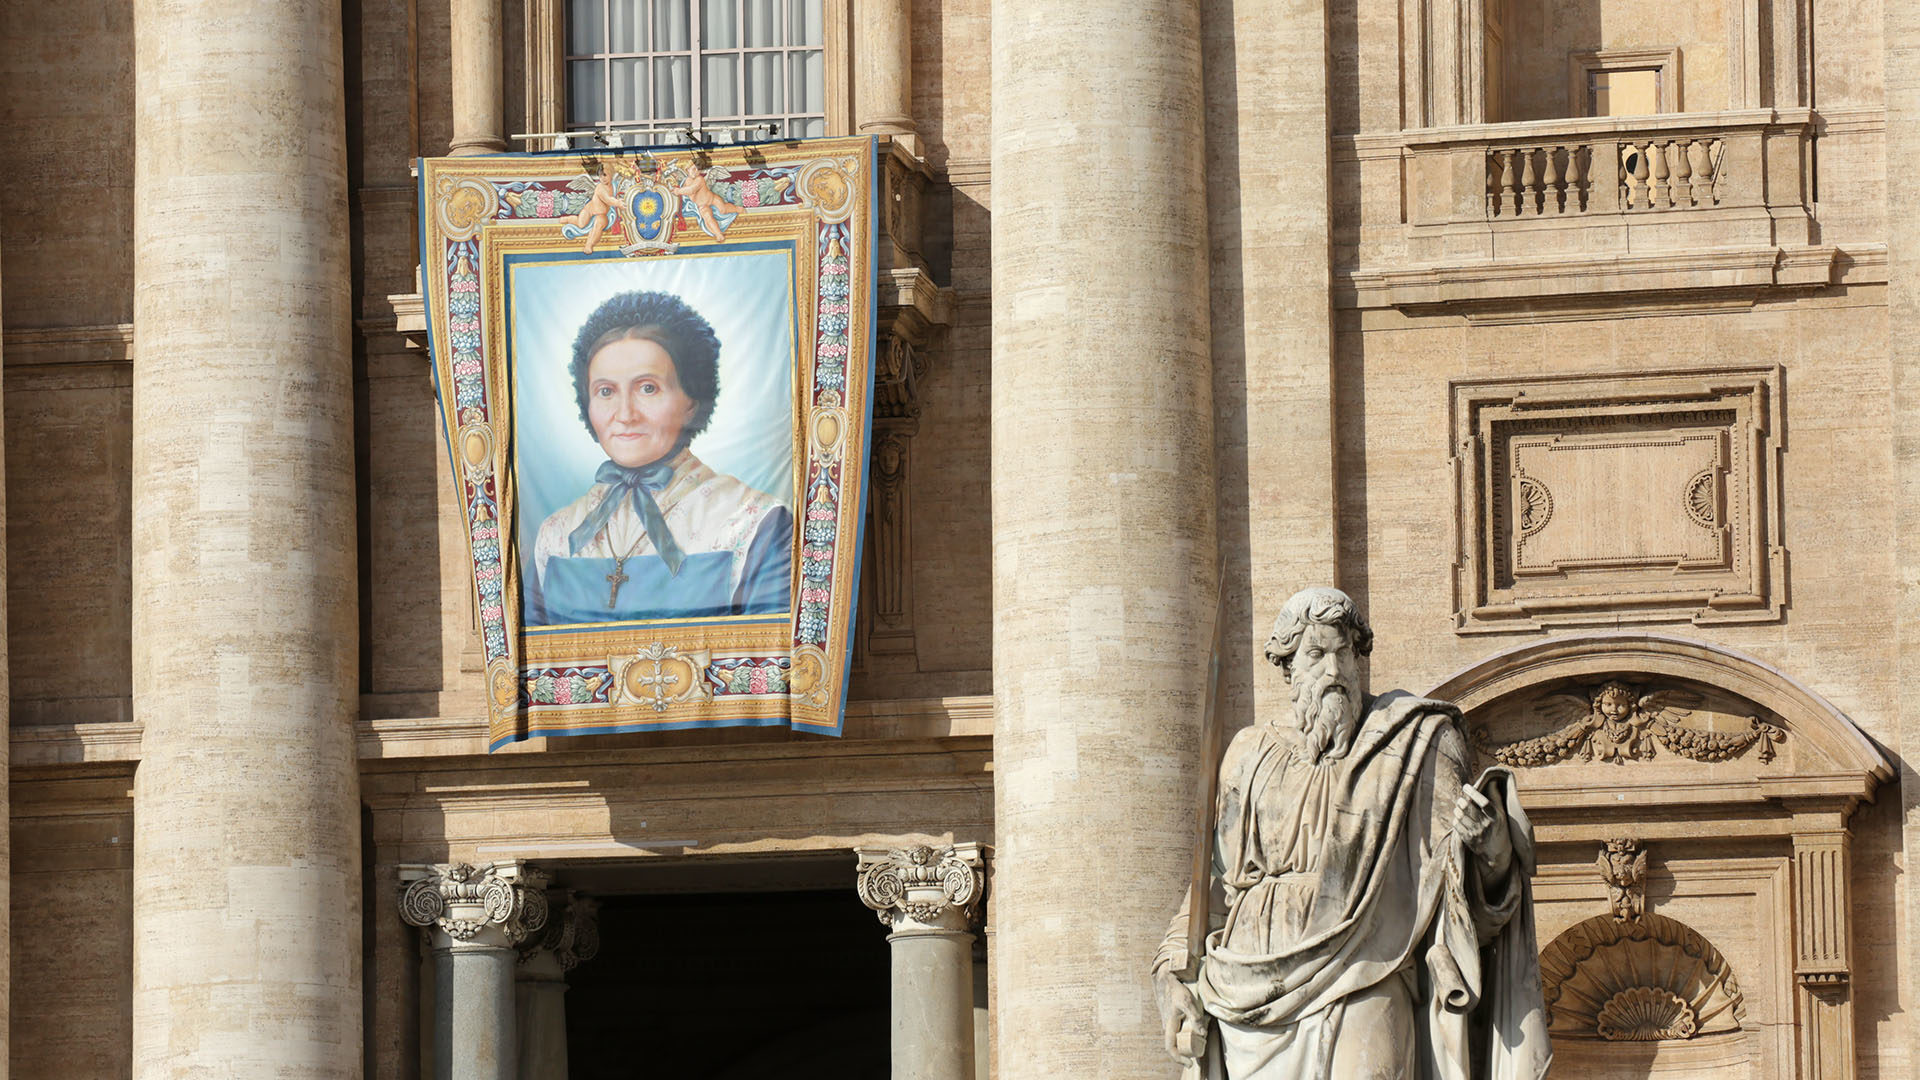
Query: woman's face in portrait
[(634, 401)]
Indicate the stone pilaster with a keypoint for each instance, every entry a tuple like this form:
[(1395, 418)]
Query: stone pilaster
[(883, 78), (1104, 551), (475, 918), (245, 646), (570, 938), (1823, 945), (479, 103), (929, 898)]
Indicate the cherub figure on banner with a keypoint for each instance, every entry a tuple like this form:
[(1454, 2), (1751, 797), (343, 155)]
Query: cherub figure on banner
[(686, 180), (601, 183)]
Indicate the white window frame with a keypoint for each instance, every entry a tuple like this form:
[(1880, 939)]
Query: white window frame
[(547, 58)]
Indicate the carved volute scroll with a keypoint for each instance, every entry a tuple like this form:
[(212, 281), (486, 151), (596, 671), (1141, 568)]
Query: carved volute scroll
[(921, 888), (494, 905)]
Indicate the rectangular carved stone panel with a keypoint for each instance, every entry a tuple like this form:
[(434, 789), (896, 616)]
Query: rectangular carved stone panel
[(1614, 498)]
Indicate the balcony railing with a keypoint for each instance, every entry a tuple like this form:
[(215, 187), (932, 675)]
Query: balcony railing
[(1606, 184)]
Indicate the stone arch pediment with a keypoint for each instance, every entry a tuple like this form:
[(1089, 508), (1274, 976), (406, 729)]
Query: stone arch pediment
[(1715, 699), (1709, 785)]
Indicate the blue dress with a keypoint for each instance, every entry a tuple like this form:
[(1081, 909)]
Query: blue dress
[(734, 546)]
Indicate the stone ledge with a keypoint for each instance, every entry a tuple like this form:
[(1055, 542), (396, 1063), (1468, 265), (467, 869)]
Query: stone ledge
[(1597, 284), (42, 745), (453, 735)]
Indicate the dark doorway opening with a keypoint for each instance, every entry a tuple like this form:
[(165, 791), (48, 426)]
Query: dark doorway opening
[(732, 986)]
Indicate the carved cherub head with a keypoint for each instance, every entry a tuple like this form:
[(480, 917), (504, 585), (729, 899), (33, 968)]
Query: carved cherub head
[(1615, 702)]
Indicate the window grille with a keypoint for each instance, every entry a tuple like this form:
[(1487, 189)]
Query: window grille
[(721, 67)]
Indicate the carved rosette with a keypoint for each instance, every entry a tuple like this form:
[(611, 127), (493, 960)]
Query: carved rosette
[(923, 888), (495, 905)]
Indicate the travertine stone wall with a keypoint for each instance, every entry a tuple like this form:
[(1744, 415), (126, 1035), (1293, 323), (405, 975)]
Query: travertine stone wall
[(246, 891), (1902, 698), (1103, 517), (1272, 327), (1540, 35), (6, 754)]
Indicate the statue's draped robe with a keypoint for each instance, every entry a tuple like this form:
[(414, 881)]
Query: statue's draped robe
[(1344, 874)]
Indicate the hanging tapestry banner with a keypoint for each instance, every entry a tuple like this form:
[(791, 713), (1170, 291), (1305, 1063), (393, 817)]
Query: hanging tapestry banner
[(654, 370)]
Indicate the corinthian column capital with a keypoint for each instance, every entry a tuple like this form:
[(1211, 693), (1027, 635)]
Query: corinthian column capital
[(494, 905), (571, 934), (923, 888)]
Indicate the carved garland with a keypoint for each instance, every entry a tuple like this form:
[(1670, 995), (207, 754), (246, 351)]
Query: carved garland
[(1617, 723)]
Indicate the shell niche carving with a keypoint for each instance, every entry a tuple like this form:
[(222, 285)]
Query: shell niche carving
[(1650, 979)]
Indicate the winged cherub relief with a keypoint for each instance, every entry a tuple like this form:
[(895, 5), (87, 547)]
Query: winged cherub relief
[(1617, 723)]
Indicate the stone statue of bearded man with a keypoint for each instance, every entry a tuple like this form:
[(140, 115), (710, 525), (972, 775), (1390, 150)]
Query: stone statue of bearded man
[(1378, 923)]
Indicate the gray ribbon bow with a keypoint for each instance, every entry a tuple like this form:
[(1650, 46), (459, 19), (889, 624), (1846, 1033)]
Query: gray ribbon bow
[(638, 485)]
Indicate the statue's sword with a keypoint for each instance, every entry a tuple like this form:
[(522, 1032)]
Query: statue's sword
[(1193, 1043)]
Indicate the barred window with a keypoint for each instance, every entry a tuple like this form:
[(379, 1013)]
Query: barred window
[(721, 66)]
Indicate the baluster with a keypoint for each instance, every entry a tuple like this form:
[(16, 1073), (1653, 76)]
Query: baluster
[(1529, 182), (1662, 191), (1641, 198), (1556, 193), (1683, 172), (1577, 179), (1706, 169), (1509, 198)]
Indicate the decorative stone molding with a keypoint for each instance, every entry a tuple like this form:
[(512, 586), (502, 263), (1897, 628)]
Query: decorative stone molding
[(923, 888), (1644, 980), (1616, 722), (1547, 535), (571, 935), (1623, 866), (494, 905)]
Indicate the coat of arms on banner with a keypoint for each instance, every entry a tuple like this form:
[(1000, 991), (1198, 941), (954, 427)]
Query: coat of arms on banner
[(654, 372)]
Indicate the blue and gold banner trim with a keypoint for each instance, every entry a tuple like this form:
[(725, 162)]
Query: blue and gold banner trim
[(654, 369)]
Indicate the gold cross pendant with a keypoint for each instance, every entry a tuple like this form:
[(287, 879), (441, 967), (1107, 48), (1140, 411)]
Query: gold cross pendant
[(615, 580)]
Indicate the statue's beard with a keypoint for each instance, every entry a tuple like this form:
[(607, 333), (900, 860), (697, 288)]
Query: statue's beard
[(1325, 714)]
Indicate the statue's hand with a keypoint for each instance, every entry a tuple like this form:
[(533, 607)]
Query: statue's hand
[(1481, 824), (1184, 1019)]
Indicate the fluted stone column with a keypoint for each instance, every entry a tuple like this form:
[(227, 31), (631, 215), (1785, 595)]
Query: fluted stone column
[(883, 80), (479, 102), (1104, 559), (246, 873), (475, 918), (570, 938), (929, 898)]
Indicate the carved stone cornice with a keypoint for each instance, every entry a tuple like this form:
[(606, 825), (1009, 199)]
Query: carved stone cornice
[(570, 937), (923, 889), (494, 905)]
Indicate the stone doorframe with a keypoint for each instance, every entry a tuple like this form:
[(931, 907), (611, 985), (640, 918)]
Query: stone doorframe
[(1794, 794)]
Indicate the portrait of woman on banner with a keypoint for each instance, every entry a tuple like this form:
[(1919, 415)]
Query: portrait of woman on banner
[(657, 533)]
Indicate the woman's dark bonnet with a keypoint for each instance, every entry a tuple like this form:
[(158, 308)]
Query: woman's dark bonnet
[(668, 322)]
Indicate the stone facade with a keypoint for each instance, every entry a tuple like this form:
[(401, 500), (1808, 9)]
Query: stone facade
[(1190, 303)]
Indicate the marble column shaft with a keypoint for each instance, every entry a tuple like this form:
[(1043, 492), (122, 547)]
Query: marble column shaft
[(570, 938), (883, 82), (246, 876), (929, 899), (475, 917), (1104, 554), (479, 101)]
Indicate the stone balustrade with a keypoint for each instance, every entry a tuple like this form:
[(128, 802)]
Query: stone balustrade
[(1609, 184), (1667, 172)]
